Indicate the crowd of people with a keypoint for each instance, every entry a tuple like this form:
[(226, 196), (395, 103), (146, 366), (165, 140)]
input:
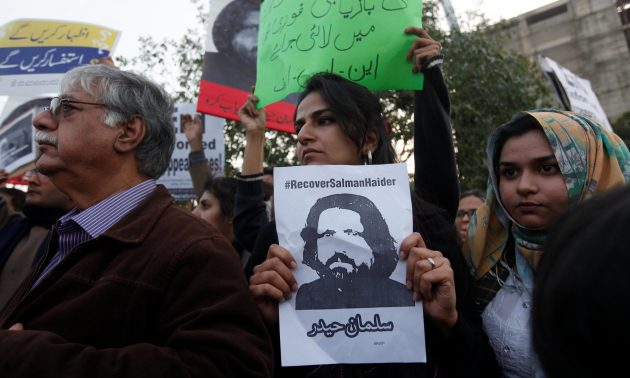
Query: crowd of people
[(101, 274)]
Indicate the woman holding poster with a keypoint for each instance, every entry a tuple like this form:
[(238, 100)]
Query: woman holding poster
[(340, 122)]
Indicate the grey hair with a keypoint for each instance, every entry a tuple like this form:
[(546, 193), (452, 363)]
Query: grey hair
[(126, 96)]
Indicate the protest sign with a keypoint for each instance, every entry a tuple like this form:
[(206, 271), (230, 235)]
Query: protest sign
[(574, 92), (34, 54), (17, 146), (344, 226), (177, 178), (229, 64), (361, 40)]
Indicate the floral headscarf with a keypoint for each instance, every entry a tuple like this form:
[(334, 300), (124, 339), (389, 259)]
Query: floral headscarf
[(591, 160)]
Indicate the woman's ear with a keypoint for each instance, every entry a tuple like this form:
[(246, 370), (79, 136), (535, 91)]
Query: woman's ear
[(130, 135), (370, 143)]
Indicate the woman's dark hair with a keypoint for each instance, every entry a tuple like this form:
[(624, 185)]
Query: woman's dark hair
[(18, 197), (581, 294), (514, 128), (223, 188), (473, 193), (357, 110), (375, 232)]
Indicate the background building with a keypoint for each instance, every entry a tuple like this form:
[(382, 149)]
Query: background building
[(589, 37)]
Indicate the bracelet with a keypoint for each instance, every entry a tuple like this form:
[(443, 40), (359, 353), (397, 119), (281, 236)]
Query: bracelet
[(432, 62)]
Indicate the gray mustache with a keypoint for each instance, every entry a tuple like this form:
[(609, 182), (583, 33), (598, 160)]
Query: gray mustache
[(44, 137)]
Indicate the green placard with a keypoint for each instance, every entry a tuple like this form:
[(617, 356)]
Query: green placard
[(362, 40)]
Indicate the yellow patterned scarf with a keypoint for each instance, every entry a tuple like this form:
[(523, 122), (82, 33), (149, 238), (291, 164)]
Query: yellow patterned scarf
[(591, 160)]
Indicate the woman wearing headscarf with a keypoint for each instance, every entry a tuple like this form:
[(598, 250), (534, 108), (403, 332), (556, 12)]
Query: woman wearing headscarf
[(541, 163)]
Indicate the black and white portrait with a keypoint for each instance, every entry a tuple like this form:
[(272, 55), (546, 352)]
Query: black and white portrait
[(348, 244), (343, 225), (235, 36)]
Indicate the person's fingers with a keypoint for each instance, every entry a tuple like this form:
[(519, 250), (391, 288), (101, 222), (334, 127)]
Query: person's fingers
[(412, 240), (428, 277), (17, 327), (422, 54), (418, 44), (274, 272), (249, 108), (419, 32), (283, 254), (418, 259), (186, 119), (423, 39), (281, 275), (265, 291)]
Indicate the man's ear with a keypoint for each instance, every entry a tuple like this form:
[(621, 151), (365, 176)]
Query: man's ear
[(370, 143), (130, 135)]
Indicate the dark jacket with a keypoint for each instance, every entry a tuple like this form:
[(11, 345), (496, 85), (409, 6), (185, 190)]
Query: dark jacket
[(159, 294), (466, 353)]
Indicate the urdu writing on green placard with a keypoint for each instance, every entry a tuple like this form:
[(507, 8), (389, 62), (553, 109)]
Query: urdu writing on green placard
[(361, 40)]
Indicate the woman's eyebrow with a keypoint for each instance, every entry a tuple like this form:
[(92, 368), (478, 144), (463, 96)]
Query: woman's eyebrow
[(538, 160)]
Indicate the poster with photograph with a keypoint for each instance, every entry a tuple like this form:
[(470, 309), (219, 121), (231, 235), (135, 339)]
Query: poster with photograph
[(177, 178), (344, 226), (16, 142), (229, 64)]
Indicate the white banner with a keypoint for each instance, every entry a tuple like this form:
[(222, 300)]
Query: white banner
[(344, 226), (574, 92), (177, 178), (17, 146)]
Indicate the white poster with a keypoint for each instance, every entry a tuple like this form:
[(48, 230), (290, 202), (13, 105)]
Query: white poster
[(177, 178), (344, 226), (575, 93), (17, 145)]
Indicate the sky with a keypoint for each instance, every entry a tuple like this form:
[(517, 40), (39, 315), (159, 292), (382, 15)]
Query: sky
[(172, 18)]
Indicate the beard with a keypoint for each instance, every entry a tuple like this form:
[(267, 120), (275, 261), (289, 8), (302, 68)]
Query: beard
[(344, 270)]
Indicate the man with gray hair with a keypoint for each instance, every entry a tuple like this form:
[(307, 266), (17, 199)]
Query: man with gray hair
[(130, 285)]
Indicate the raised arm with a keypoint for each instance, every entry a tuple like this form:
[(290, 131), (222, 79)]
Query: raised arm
[(434, 156), (198, 163), (250, 210)]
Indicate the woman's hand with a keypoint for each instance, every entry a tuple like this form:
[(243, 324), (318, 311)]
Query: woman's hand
[(422, 49), (254, 122), (273, 282), (430, 276), (193, 131), (251, 118)]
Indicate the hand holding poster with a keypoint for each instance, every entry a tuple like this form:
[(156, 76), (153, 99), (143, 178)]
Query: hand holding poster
[(344, 225), (34, 54), (362, 41)]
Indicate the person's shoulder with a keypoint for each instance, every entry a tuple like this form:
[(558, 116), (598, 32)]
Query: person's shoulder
[(168, 227), (310, 287)]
